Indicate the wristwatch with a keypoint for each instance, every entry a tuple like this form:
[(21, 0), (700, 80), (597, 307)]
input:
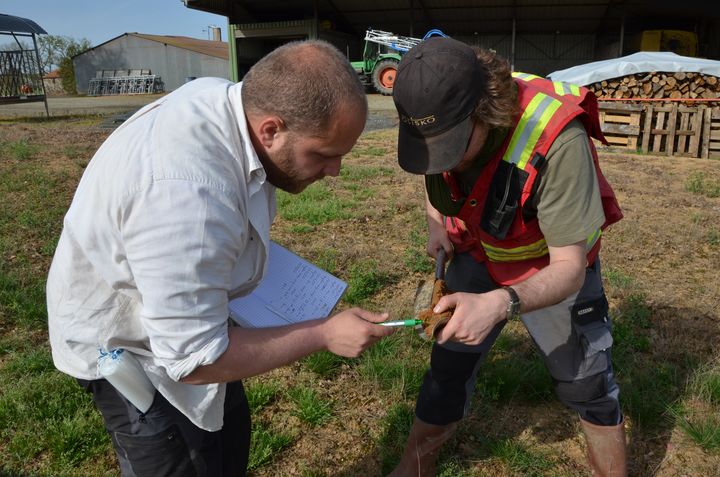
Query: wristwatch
[(513, 308)]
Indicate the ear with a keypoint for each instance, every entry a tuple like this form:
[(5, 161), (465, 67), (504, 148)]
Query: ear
[(268, 129)]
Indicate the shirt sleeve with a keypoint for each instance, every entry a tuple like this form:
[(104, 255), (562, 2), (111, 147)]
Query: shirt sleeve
[(182, 239), (567, 199)]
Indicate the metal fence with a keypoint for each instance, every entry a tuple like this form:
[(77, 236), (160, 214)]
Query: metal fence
[(136, 84), (20, 78)]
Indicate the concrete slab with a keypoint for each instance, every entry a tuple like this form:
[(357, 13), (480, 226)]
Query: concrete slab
[(382, 109), (73, 105)]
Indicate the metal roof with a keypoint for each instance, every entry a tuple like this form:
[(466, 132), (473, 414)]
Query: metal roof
[(13, 24), (218, 49), (468, 17)]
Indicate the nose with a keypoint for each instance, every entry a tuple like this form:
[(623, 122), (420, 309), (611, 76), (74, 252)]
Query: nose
[(332, 168)]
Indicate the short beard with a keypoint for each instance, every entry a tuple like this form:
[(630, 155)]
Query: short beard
[(281, 171)]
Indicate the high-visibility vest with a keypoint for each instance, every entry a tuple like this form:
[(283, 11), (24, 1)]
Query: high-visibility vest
[(490, 225), (561, 88)]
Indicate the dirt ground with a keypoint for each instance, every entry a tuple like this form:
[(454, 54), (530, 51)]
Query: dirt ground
[(668, 249), (667, 244)]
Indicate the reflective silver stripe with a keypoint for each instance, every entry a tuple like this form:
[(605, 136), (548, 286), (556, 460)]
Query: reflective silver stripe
[(561, 88), (516, 254), (524, 76), (532, 121), (592, 239)]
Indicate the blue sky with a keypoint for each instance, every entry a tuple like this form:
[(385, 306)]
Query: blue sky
[(101, 20)]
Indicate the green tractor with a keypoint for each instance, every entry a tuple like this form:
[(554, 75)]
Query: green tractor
[(381, 56)]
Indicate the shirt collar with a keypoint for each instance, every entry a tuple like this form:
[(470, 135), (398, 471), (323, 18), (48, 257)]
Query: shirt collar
[(255, 170)]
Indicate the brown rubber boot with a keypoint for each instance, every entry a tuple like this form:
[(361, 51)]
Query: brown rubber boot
[(606, 449), (422, 448)]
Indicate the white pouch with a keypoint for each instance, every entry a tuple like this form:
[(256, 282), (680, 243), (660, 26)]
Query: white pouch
[(125, 373)]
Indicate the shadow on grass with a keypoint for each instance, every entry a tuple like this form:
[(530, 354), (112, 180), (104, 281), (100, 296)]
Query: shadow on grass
[(656, 350), (51, 119), (385, 453)]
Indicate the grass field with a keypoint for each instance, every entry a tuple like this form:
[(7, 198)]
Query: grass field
[(330, 416)]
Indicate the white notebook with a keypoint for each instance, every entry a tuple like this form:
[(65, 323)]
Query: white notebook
[(292, 290)]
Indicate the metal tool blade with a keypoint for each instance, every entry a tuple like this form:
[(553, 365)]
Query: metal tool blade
[(424, 291)]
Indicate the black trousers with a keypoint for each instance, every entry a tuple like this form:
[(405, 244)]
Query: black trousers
[(163, 442)]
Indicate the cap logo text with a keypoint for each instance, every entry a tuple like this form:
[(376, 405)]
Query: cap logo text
[(418, 121)]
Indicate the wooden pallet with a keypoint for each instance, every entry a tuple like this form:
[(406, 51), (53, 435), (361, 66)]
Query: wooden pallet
[(711, 134), (688, 130), (672, 129), (659, 129), (620, 123)]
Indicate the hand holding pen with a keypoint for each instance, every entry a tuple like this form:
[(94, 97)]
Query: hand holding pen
[(405, 323)]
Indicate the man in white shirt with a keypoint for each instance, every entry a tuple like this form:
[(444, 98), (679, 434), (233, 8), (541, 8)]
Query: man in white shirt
[(169, 222)]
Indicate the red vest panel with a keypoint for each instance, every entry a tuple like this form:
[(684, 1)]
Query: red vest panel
[(490, 225)]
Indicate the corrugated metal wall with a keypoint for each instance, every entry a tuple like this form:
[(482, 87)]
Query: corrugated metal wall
[(539, 54), (255, 40), (129, 52)]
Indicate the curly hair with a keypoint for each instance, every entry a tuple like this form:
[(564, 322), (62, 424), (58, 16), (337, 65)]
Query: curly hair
[(305, 83), (498, 106)]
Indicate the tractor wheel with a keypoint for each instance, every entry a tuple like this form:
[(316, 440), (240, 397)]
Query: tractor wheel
[(384, 76)]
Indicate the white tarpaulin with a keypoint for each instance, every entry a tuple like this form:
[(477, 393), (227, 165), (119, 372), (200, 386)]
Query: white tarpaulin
[(643, 62)]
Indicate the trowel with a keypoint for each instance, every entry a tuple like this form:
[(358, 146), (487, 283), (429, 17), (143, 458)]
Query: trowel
[(427, 295)]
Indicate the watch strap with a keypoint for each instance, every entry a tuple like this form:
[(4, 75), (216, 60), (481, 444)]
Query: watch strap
[(513, 308)]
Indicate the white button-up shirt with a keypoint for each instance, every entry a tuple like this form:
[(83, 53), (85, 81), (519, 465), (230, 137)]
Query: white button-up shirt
[(171, 219)]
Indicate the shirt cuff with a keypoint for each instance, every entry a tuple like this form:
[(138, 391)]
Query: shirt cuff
[(208, 354)]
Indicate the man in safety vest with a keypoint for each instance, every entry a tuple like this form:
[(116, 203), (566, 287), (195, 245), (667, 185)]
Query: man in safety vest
[(516, 197)]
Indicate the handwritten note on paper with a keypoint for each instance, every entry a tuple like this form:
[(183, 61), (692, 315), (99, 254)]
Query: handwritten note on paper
[(293, 290)]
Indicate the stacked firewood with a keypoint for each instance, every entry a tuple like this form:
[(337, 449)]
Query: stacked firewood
[(658, 85)]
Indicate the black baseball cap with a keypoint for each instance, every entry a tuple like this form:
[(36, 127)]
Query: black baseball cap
[(436, 90)]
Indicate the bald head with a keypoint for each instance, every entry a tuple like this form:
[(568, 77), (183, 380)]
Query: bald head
[(304, 83)]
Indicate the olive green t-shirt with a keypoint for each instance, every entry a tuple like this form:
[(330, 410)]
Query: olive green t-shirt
[(566, 199)]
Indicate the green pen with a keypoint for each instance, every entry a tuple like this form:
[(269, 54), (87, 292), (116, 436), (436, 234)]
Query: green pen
[(413, 322)]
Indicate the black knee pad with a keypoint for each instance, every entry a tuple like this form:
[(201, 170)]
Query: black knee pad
[(444, 394), (589, 397), (581, 390)]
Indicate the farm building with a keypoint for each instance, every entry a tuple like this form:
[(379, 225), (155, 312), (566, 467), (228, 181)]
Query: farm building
[(172, 58), (53, 83), (538, 36)]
